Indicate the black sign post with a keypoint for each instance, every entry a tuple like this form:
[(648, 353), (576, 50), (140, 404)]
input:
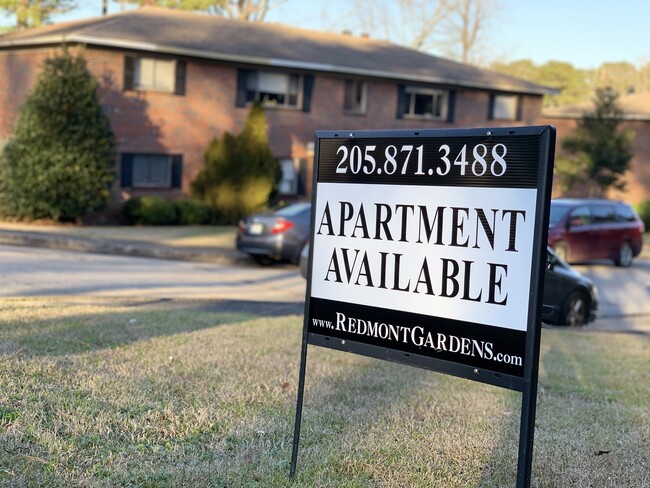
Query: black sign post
[(428, 248)]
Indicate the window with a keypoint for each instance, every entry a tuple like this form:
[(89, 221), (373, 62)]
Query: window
[(624, 213), (602, 214), (154, 74), (274, 89), (425, 103), (288, 184), (151, 170), (355, 96), (580, 216), (505, 107)]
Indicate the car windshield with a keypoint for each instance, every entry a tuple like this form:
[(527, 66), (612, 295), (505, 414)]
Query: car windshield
[(557, 212)]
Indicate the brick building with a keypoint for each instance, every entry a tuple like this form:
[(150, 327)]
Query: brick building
[(636, 117), (171, 81)]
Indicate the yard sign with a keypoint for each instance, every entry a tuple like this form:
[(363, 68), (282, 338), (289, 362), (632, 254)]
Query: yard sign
[(428, 248)]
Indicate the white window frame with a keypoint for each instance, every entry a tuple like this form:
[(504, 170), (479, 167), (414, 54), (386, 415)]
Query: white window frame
[(505, 107), (439, 98), (143, 172), (154, 74), (275, 89), (358, 97)]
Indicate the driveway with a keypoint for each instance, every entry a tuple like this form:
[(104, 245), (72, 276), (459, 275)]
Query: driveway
[(624, 294)]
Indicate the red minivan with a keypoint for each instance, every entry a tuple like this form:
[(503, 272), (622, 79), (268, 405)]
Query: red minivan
[(581, 229)]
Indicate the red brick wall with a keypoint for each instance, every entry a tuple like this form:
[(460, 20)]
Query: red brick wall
[(18, 70), (637, 177), (145, 121)]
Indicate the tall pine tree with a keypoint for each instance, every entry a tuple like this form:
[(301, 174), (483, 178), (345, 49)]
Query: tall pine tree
[(59, 163)]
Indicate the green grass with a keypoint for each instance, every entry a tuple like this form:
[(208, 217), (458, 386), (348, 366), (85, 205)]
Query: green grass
[(121, 393)]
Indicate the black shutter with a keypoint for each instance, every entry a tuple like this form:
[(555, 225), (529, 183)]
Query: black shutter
[(242, 78), (177, 170), (520, 107), (129, 72), (402, 101), (181, 68), (452, 106), (491, 106), (308, 87), (126, 170)]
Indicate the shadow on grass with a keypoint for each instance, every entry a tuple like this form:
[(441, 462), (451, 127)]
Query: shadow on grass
[(379, 410), (107, 324), (363, 418)]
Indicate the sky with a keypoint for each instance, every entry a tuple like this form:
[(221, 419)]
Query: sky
[(585, 33)]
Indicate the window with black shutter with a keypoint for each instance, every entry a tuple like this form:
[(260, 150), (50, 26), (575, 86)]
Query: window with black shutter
[(274, 89), (154, 74), (151, 170)]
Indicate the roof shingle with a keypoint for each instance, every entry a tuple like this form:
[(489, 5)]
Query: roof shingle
[(189, 34)]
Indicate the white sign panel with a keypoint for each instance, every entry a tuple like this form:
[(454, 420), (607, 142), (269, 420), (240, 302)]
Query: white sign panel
[(462, 253), (428, 246)]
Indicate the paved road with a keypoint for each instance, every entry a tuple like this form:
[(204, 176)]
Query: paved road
[(624, 294), (24, 271), (43, 272)]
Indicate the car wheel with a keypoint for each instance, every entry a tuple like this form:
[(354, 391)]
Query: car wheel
[(262, 260), (625, 255), (576, 310), (561, 249)]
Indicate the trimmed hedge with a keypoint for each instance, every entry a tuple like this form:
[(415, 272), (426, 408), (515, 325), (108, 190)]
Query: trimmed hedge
[(192, 212), (153, 210)]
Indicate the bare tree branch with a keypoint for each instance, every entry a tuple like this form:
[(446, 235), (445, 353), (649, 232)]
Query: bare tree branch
[(453, 27)]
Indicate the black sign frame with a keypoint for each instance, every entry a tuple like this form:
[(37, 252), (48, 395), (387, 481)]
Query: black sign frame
[(531, 147)]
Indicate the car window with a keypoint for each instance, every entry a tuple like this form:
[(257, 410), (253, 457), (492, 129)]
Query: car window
[(601, 214), (557, 212), (580, 216), (294, 209), (624, 213)]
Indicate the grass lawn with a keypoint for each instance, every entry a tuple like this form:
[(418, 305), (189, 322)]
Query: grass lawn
[(124, 393)]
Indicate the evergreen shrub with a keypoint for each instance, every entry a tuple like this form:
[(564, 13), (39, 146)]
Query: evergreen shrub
[(154, 210), (192, 212), (150, 210), (60, 160), (240, 173)]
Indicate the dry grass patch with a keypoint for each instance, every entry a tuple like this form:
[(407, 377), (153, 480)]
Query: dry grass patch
[(107, 393)]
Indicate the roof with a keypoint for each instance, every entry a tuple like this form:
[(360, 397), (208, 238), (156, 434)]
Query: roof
[(181, 33), (635, 107)]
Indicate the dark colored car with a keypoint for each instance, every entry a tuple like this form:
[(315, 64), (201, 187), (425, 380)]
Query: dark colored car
[(569, 297), (274, 236), (584, 229)]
